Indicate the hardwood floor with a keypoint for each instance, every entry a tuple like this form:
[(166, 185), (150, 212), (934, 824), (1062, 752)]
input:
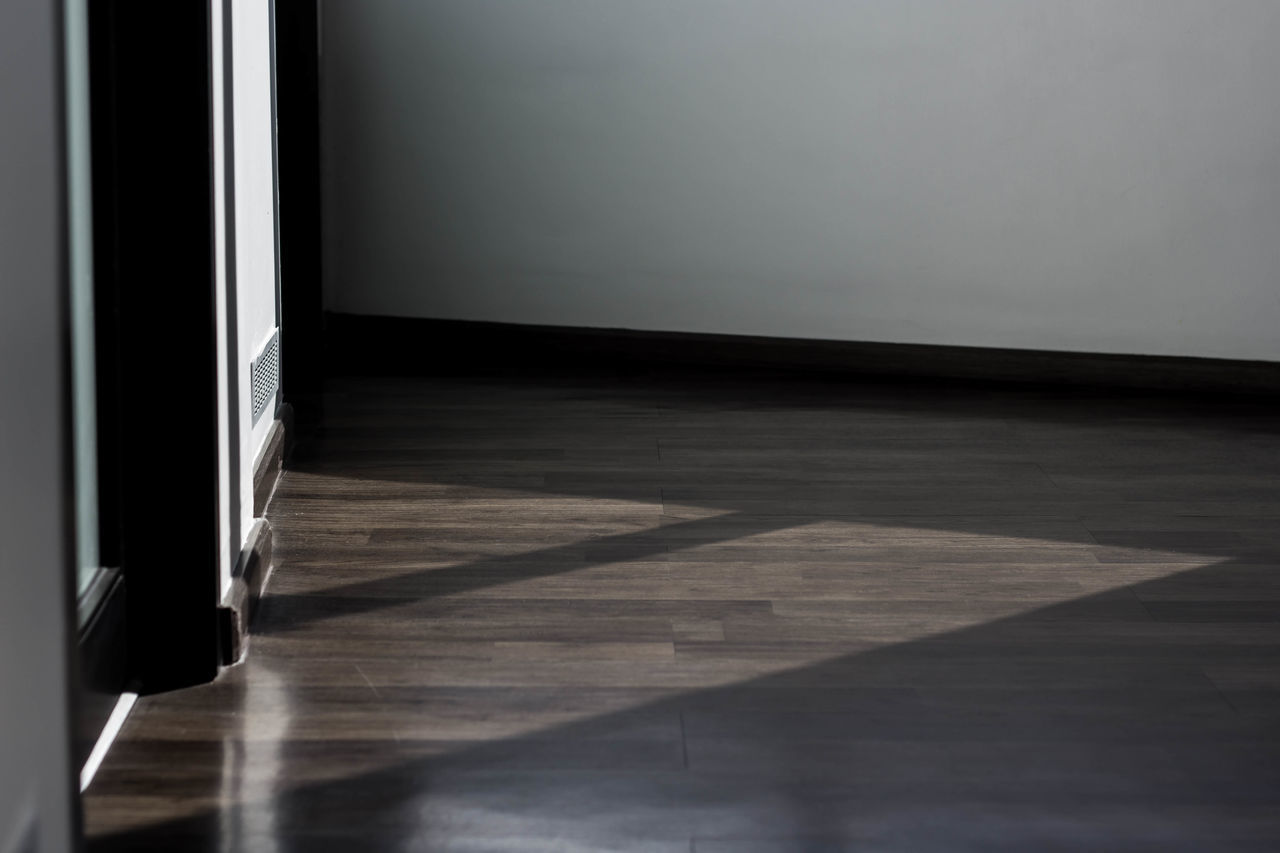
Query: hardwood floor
[(741, 613)]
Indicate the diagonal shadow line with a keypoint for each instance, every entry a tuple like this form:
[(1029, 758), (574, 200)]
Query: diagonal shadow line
[(281, 612), (1071, 724), (852, 666), (284, 611)]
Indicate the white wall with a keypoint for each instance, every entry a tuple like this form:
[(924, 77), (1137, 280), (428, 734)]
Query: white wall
[(35, 766), (1099, 175), (250, 326), (255, 223)]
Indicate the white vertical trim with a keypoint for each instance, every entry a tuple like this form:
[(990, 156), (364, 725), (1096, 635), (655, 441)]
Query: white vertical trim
[(226, 554)]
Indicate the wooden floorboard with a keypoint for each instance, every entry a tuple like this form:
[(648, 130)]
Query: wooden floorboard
[(741, 613)]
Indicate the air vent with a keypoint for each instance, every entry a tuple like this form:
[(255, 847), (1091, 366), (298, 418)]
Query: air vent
[(264, 374)]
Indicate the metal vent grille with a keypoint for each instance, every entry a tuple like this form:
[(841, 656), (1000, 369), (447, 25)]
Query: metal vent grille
[(264, 375)]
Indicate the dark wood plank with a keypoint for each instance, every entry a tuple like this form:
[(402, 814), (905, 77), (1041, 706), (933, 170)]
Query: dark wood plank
[(741, 613)]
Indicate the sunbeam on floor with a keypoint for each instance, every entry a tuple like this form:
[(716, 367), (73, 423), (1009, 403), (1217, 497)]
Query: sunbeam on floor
[(740, 614)]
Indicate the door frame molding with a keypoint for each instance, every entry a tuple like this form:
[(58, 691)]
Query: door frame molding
[(155, 286)]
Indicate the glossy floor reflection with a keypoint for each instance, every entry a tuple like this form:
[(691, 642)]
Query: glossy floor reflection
[(742, 614)]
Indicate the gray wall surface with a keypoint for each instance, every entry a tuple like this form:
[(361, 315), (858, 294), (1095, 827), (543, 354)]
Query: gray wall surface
[(1096, 175), (35, 772)]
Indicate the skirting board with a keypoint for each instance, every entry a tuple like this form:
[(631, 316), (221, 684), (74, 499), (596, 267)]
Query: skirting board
[(249, 581), (239, 605), (270, 462), (412, 346)]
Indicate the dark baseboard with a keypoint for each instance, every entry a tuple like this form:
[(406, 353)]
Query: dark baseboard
[(249, 580), (362, 345), (241, 602), (103, 661), (288, 418), (270, 462)]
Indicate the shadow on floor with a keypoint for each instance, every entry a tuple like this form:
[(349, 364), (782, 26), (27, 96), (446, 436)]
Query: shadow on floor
[(1081, 726), (1140, 717)]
